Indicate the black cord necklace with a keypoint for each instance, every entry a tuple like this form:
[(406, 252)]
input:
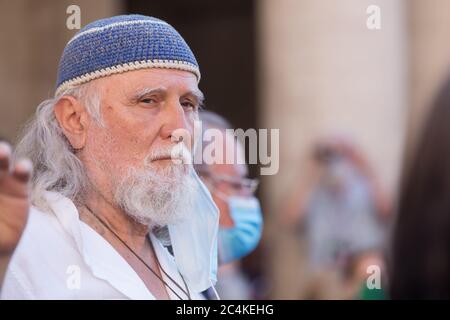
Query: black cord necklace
[(186, 292)]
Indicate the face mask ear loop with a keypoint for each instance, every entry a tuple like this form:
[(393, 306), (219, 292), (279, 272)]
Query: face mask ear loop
[(215, 291)]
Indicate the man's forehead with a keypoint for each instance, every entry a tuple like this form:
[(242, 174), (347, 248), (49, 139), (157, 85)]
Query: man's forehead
[(232, 169), (156, 78), (140, 82), (233, 149)]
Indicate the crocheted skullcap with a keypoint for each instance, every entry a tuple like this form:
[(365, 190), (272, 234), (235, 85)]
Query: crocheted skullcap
[(119, 44)]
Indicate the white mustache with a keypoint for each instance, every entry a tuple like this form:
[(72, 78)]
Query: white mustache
[(179, 154)]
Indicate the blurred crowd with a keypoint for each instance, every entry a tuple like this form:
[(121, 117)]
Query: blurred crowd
[(353, 232)]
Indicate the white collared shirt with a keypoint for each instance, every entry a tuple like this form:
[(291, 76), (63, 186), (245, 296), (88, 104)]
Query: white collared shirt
[(61, 257)]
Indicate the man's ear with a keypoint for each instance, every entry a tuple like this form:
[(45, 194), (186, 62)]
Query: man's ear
[(73, 119)]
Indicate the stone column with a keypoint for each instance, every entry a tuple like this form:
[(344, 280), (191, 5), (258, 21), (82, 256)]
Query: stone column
[(429, 25), (324, 71), (32, 36)]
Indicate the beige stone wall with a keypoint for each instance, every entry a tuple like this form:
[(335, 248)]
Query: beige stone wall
[(32, 37), (429, 49), (323, 71)]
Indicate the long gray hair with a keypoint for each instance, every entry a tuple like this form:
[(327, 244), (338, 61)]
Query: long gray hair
[(56, 165)]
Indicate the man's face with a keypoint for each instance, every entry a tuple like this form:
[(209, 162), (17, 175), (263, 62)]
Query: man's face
[(140, 111), (227, 189)]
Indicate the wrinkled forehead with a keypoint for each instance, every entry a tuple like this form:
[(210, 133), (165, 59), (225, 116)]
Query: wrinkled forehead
[(149, 80)]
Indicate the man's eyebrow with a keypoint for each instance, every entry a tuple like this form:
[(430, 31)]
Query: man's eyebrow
[(136, 96), (197, 94), (147, 91)]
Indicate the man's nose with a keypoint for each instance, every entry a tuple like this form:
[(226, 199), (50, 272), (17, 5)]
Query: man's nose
[(174, 121)]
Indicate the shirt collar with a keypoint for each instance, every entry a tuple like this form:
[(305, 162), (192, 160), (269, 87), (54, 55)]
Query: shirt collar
[(103, 260)]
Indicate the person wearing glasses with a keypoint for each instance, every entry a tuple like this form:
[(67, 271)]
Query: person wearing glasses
[(240, 218)]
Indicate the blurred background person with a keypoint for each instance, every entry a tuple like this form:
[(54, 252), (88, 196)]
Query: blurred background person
[(241, 219), (341, 210), (420, 256)]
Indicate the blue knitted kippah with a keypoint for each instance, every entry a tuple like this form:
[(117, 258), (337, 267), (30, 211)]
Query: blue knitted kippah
[(123, 43)]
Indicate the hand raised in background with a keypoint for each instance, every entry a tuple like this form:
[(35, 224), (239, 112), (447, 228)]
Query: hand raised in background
[(14, 200)]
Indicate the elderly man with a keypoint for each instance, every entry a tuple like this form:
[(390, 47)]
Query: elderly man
[(108, 201)]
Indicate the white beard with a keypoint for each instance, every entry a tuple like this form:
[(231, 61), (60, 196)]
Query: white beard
[(156, 197)]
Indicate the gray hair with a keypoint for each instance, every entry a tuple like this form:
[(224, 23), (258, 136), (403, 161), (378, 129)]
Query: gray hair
[(56, 165), (214, 120), (210, 120)]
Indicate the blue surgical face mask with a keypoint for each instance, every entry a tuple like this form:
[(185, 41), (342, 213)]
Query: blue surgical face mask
[(194, 241), (244, 236)]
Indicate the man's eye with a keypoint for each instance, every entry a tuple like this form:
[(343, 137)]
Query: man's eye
[(148, 100), (236, 185), (189, 105)]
